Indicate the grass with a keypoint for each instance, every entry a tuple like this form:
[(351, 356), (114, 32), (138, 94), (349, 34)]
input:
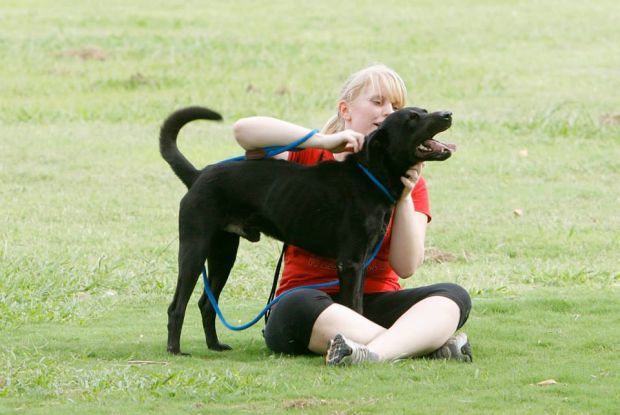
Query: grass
[(519, 349), (88, 208)]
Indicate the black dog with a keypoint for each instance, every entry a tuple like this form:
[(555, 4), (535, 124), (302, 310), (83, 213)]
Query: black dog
[(332, 209)]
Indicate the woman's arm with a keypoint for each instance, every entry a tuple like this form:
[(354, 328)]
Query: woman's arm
[(257, 132), (408, 235), (408, 230)]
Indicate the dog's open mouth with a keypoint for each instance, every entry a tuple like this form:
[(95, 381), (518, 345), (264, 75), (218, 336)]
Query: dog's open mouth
[(432, 148)]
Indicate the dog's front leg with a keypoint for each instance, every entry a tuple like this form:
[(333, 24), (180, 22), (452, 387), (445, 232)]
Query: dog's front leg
[(351, 277)]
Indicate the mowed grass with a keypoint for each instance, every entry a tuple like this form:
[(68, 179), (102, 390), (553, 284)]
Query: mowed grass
[(522, 341), (525, 213)]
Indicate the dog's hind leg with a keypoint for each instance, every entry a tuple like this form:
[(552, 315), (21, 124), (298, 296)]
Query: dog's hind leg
[(220, 261), (192, 255)]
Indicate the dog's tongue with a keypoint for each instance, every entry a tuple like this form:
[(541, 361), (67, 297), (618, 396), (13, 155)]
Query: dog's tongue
[(440, 147)]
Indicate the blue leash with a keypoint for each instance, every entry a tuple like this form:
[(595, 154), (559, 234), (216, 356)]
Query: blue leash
[(275, 300), (377, 182), (270, 152)]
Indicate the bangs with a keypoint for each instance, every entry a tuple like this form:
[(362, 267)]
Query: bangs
[(389, 86), (383, 80)]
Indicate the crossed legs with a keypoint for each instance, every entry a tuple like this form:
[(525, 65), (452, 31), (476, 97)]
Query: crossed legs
[(423, 328), (411, 322)]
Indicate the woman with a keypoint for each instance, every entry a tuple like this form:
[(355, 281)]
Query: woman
[(397, 322)]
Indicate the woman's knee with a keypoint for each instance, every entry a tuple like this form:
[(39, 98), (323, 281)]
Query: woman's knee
[(459, 295), (290, 323)]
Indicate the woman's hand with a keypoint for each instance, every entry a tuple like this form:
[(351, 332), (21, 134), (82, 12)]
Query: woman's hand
[(343, 141), (410, 178)]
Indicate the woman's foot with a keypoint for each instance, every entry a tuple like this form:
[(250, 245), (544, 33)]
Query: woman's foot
[(342, 351), (456, 348)]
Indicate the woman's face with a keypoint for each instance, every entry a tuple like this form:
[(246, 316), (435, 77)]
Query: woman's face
[(366, 111)]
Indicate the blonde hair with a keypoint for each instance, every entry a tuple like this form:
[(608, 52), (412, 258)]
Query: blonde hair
[(379, 77)]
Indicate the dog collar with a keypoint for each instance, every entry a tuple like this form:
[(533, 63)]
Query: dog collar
[(377, 182)]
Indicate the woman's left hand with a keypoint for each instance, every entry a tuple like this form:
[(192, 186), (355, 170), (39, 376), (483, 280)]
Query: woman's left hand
[(410, 179)]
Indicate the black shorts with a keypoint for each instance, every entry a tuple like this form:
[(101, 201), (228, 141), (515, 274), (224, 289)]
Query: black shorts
[(290, 323)]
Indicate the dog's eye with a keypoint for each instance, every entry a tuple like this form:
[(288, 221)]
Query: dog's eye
[(414, 115)]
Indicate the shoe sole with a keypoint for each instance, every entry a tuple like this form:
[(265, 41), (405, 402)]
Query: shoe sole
[(337, 352)]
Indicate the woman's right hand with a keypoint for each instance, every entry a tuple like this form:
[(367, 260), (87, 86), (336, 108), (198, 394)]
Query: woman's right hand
[(342, 141)]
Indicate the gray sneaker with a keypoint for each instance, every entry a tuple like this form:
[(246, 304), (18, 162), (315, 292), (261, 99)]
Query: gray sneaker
[(342, 351), (456, 348)]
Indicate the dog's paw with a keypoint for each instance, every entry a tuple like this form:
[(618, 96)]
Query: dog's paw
[(219, 347), (178, 353)]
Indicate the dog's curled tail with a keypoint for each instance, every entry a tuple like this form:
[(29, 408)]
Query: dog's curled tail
[(168, 140)]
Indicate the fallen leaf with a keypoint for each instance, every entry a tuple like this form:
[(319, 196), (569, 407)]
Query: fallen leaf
[(547, 382), (146, 362)]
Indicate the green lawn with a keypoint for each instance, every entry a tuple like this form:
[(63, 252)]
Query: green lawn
[(527, 209)]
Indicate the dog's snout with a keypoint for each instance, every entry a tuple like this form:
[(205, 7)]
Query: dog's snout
[(446, 114)]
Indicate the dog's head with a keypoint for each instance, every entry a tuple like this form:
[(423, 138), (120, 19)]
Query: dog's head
[(407, 135)]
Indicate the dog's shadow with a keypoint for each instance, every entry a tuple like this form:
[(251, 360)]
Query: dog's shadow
[(139, 339)]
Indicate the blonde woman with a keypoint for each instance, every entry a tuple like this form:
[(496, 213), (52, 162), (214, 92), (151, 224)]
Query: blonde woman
[(396, 323)]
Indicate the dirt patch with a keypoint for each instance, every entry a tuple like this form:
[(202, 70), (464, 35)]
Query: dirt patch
[(283, 90), (610, 119), (85, 53), (304, 403), (138, 79), (439, 256)]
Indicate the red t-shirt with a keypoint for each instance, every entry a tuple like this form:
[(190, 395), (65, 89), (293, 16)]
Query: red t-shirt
[(303, 268)]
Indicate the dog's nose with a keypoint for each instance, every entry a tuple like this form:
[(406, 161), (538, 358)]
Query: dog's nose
[(445, 114)]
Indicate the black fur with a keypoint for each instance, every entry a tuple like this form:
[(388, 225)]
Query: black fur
[(332, 209)]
